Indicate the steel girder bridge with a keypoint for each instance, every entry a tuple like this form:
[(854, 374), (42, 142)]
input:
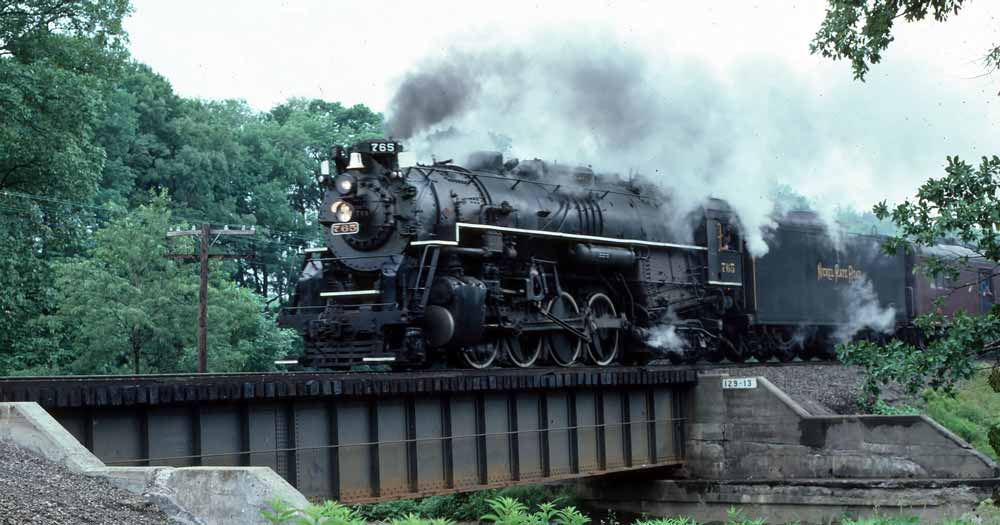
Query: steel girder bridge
[(358, 437)]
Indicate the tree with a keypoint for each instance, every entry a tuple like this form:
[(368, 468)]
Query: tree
[(54, 57), (963, 204), (286, 148), (97, 20), (860, 30), (123, 306)]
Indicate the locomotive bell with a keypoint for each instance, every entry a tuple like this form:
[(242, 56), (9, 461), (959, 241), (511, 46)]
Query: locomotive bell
[(356, 162)]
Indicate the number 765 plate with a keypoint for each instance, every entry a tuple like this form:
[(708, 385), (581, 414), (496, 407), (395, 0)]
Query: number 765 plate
[(344, 228)]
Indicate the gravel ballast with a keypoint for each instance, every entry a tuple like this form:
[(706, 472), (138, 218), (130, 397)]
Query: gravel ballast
[(820, 388), (34, 490)]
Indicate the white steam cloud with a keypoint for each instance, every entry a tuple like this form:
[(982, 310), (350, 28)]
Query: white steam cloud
[(862, 311), (665, 338), (694, 131)]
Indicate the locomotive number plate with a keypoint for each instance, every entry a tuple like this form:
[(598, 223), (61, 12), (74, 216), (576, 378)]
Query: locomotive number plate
[(345, 228), (739, 383), (384, 147)]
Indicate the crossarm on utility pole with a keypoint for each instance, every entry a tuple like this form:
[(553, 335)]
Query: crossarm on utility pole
[(203, 257)]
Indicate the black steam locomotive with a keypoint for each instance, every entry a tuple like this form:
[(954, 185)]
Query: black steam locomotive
[(524, 263)]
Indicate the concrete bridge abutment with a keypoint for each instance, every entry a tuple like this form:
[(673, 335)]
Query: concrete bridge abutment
[(750, 446)]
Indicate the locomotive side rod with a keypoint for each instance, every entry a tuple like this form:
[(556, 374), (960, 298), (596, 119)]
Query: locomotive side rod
[(568, 327)]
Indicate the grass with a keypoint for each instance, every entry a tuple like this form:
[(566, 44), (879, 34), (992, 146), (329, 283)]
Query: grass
[(970, 413)]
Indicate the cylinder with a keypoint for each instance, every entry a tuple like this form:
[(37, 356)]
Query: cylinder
[(604, 256)]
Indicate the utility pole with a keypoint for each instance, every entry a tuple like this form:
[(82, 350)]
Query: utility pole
[(203, 256)]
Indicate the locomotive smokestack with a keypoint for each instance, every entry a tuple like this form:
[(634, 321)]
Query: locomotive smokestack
[(485, 160)]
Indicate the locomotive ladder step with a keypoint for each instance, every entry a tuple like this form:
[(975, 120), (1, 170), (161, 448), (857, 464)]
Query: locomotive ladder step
[(424, 279)]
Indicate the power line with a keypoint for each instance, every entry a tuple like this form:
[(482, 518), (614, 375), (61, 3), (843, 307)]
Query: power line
[(203, 234), (113, 212)]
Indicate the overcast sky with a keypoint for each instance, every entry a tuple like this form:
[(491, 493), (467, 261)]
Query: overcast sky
[(265, 51), (926, 100)]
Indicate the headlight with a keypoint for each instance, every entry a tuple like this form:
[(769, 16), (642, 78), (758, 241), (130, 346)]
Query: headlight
[(343, 211), (344, 183)]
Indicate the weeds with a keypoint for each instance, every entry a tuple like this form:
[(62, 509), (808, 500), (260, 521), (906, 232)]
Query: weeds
[(506, 510), (734, 516), (509, 511), (329, 513), (970, 412), (469, 506), (680, 520)]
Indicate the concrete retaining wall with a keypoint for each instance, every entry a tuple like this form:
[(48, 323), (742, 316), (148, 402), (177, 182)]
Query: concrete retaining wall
[(759, 449), (760, 434), (208, 495), (803, 501)]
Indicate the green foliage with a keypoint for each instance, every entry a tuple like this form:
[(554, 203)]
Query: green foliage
[(964, 203), (948, 356), (124, 306), (468, 506), (860, 31), (884, 409), (86, 134), (52, 54), (96, 20), (415, 519), (503, 510), (509, 511), (735, 516), (972, 412), (680, 520), (329, 513), (987, 512), (882, 520)]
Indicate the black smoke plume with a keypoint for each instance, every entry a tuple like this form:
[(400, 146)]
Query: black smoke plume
[(428, 97), (589, 99)]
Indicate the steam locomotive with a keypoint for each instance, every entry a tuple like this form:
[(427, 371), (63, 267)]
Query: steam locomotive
[(527, 263)]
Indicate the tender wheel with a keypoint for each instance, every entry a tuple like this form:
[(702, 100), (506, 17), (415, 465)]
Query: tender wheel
[(481, 355), (603, 348), (734, 351), (711, 350), (563, 348), (522, 351), (785, 347), (760, 348)]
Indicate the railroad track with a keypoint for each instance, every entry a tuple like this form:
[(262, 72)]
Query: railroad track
[(770, 364), (438, 373)]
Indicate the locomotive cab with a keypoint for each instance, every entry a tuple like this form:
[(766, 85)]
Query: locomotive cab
[(725, 246)]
